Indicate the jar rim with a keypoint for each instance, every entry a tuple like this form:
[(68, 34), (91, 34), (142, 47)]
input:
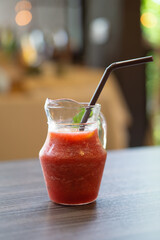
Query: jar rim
[(56, 104)]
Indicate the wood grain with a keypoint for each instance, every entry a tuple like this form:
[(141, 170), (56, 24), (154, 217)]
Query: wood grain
[(128, 206)]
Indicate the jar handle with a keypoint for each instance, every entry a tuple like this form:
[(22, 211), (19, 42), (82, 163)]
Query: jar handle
[(102, 129)]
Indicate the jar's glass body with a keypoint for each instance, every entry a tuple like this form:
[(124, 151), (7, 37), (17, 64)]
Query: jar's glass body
[(73, 158)]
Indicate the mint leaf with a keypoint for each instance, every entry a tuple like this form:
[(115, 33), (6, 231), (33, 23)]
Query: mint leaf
[(78, 117)]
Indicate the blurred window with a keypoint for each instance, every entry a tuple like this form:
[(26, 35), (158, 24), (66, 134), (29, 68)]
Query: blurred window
[(150, 25)]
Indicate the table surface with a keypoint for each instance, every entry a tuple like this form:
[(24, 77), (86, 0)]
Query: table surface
[(128, 206)]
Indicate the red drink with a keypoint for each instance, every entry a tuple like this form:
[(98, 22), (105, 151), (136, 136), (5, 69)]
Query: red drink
[(73, 164)]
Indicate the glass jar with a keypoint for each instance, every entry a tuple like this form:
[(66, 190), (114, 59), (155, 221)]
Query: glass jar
[(73, 156)]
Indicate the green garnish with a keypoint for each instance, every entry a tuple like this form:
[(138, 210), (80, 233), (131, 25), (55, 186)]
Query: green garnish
[(78, 117)]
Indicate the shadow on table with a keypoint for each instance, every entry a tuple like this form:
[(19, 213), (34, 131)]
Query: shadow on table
[(68, 221), (72, 215)]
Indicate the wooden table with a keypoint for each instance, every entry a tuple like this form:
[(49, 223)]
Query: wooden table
[(128, 206)]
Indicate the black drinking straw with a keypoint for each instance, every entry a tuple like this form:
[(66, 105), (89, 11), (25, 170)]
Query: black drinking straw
[(108, 70)]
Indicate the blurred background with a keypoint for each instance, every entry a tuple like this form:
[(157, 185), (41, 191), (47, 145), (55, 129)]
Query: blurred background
[(59, 49)]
